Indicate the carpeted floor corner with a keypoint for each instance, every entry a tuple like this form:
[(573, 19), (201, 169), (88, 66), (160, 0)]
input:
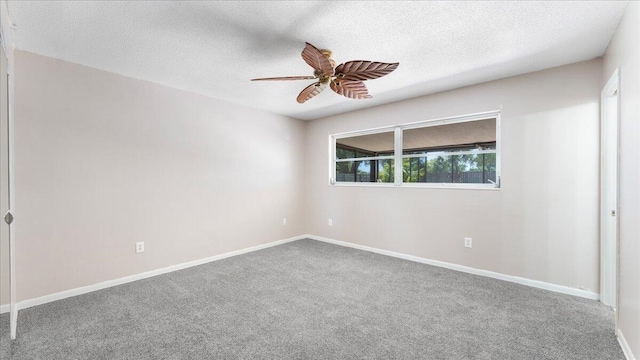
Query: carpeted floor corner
[(312, 300)]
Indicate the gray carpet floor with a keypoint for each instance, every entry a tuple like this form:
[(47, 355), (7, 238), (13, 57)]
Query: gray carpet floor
[(312, 300)]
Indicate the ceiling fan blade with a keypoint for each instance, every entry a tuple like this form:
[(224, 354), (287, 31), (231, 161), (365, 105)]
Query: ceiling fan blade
[(317, 60), (361, 70), (285, 78), (311, 91), (350, 89)]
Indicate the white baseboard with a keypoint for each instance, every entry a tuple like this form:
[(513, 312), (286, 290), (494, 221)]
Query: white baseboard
[(466, 269), (127, 279), (625, 346)]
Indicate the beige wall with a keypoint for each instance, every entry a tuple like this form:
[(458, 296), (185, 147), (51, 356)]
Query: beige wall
[(104, 161), (542, 224), (623, 53)]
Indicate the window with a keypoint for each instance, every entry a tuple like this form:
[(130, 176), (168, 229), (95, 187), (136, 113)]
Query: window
[(453, 152), (365, 158)]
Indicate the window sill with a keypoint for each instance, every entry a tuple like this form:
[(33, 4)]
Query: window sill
[(418, 185)]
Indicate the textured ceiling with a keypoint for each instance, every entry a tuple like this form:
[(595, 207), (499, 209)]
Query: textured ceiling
[(214, 48)]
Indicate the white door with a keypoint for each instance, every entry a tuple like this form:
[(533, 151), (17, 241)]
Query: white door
[(609, 192)]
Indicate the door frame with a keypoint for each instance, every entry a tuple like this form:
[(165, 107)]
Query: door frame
[(13, 309), (609, 248)]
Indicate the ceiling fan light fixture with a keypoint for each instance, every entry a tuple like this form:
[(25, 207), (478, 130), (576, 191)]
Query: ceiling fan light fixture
[(345, 79)]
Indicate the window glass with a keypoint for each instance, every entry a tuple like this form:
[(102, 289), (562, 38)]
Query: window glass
[(367, 145), (374, 147), (451, 152)]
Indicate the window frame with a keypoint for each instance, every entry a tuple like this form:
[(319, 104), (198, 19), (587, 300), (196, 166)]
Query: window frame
[(375, 159), (333, 160), (398, 155)]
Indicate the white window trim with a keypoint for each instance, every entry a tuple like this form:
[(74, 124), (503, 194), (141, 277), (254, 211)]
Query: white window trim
[(398, 156)]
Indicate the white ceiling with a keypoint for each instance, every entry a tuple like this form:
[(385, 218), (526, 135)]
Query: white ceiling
[(214, 48)]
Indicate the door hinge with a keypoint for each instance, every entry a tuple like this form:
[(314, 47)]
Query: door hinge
[(8, 217)]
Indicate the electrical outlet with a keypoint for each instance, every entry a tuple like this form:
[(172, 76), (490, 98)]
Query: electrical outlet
[(330, 222), (284, 221), (468, 242), (139, 247)]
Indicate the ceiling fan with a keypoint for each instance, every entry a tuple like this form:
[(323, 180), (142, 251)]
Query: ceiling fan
[(345, 79)]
